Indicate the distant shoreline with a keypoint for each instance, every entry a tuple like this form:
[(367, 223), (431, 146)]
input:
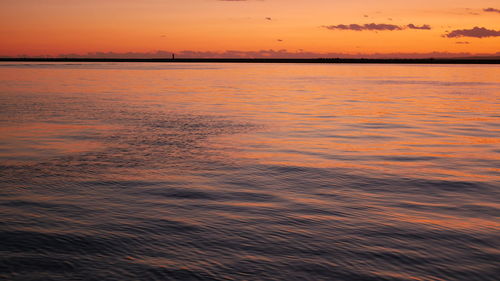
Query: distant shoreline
[(266, 60)]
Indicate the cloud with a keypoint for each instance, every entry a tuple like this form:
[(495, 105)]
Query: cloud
[(375, 27), (369, 26), (462, 42), (266, 54), (493, 10), (269, 18), (422, 27), (476, 32)]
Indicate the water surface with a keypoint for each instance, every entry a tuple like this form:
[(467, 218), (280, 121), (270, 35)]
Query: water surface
[(162, 171)]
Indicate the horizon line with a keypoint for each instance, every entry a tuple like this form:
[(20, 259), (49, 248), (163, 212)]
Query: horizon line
[(451, 60)]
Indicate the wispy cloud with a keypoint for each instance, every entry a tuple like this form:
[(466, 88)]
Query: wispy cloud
[(375, 27), (492, 10), (476, 32)]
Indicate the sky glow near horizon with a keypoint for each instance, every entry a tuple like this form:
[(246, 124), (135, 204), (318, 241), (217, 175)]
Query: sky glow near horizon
[(55, 27)]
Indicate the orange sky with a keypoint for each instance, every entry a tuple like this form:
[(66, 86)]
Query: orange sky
[(54, 27)]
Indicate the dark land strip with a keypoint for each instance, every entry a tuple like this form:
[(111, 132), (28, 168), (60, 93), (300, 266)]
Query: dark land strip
[(265, 60)]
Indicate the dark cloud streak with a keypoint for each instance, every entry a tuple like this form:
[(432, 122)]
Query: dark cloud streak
[(422, 27), (369, 26), (266, 54), (492, 10), (375, 27), (476, 32)]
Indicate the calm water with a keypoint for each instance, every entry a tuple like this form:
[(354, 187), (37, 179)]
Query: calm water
[(249, 172)]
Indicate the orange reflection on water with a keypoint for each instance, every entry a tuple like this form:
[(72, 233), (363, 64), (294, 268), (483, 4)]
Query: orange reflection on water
[(369, 169), (434, 121)]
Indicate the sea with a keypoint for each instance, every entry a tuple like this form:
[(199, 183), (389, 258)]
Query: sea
[(248, 171)]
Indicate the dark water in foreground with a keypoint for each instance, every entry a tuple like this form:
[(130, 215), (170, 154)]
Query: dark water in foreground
[(249, 172)]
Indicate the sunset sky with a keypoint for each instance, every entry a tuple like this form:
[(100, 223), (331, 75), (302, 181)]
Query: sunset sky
[(61, 27)]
